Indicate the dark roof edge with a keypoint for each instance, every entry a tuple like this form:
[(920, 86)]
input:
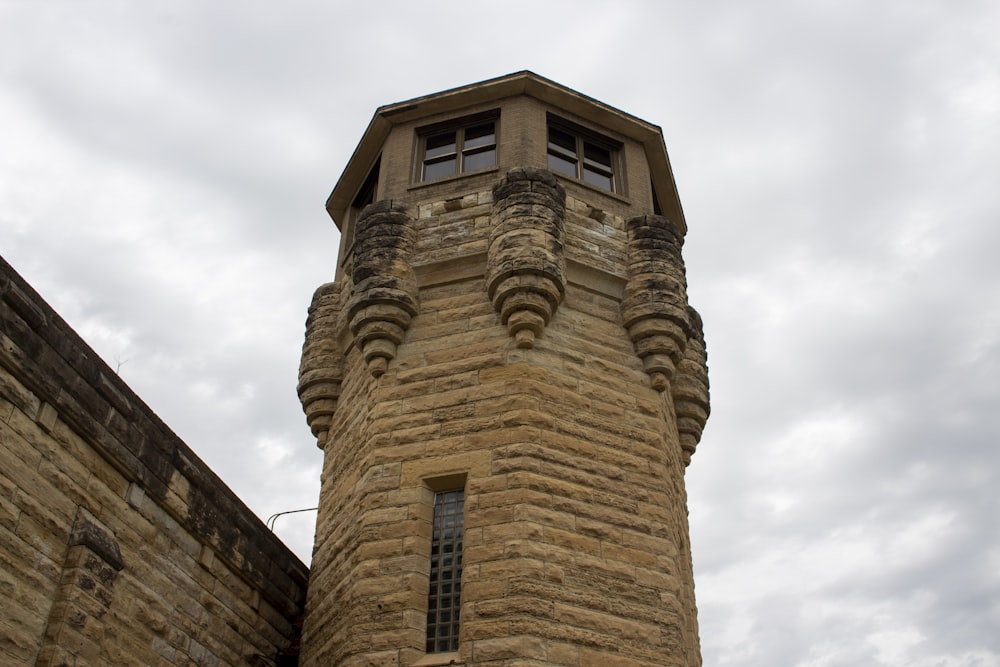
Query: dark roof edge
[(524, 82)]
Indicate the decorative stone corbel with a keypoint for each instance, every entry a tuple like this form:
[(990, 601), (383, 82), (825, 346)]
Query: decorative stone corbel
[(525, 267), (384, 291), (321, 370), (654, 305), (690, 389)]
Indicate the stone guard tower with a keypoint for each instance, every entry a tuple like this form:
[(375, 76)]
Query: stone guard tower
[(507, 382)]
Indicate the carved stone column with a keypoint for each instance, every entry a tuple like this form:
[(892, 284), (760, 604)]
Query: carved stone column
[(525, 268), (322, 367), (690, 389), (384, 293), (654, 307)]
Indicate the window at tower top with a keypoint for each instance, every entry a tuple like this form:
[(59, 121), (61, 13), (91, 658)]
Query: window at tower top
[(578, 153), (460, 147)]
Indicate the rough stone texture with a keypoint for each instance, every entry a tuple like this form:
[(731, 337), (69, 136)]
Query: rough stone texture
[(572, 461), (322, 367), (690, 388), (525, 266), (76, 628), (384, 289), (654, 306), (117, 544)]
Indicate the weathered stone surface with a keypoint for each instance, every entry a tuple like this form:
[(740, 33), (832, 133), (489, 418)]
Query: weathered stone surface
[(568, 445), (117, 544), (654, 304), (571, 461), (384, 289), (88, 532), (525, 265), (321, 368), (690, 389)]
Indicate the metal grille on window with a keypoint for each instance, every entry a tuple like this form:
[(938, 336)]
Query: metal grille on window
[(446, 572)]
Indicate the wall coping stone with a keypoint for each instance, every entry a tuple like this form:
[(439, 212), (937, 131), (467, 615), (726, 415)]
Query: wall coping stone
[(53, 362)]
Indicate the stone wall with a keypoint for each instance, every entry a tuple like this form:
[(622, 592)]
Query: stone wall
[(567, 441), (117, 544)]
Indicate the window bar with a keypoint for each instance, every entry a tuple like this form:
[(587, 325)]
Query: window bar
[(443, 599)]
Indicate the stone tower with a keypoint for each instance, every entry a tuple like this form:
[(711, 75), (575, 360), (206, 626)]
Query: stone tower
[(507, 383)]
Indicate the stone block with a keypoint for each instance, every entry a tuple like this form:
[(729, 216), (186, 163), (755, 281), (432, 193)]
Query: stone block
[(507, 648)]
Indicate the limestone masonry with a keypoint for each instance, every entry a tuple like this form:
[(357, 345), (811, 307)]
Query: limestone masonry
[(118, 546), (507, 383)]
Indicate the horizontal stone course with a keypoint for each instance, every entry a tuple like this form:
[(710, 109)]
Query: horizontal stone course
[(534, 375), (76, 439)]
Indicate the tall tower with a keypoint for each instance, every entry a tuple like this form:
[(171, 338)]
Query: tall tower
[(507, 383)]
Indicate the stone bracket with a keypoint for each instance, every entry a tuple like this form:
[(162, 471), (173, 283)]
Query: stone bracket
[(525, 264), (321, 370), (689, 389), (654, 304), (384, 290)]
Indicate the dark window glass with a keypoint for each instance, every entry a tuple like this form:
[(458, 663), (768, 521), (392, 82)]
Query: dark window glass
[(441, 168), (440, 144), (571, 154), (562, 165), (479, 160), (596, 155), (476, 144), (564, 140), (598, 179), (479, 135), (366, 193), (443, 598)]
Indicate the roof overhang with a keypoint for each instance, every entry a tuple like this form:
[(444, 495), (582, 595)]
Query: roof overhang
[(518, 83)]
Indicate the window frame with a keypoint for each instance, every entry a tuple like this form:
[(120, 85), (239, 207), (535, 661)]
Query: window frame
[(577, 155), (366, 194), (447, 631), (460, 151)]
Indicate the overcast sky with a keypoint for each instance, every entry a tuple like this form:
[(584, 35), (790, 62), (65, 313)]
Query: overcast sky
[(163, 170)]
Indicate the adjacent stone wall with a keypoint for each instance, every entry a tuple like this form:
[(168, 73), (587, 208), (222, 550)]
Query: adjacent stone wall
[(118, 546)]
